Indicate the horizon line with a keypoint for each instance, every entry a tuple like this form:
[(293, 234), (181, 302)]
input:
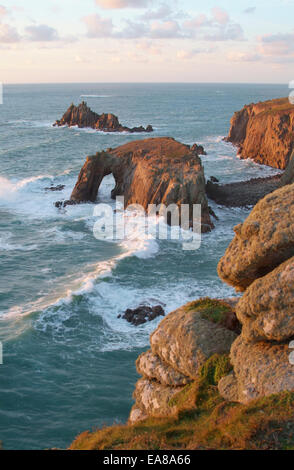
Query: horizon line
[(145, 83)]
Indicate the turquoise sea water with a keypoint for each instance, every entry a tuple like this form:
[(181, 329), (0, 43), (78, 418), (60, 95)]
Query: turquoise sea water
[(69, 362)]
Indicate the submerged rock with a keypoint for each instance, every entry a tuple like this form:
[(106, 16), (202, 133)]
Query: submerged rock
[(83, 116), (60, 187), (143, 314), (262, 242), (264, 132)]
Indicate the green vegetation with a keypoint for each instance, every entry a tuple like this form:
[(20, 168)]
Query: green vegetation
[(215, 311), (205, 421)]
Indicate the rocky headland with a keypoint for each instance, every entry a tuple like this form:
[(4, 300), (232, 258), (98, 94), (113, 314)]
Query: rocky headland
[(82, 116), (159, 171), (264, 132), (219, 374)]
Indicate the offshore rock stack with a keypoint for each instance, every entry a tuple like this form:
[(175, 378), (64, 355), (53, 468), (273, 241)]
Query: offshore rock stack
[(82, 116), (260, 261)]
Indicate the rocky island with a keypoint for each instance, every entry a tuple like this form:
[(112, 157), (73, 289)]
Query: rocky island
[(151, 171), (264, 132), (82, 116)]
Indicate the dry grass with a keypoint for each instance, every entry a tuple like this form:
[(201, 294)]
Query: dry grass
[(208, 423)]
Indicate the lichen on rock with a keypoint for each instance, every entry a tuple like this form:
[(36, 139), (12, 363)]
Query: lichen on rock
[(262, 242)]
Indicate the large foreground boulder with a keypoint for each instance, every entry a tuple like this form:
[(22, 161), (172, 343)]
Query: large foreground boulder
[(82, 116), (182, 345), (148, 172), (186, 338), (261, 369), (262, 242), (263, 132), (267, 308)]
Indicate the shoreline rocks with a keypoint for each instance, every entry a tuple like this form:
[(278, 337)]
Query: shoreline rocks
[(263, 132), (82, 116), (243, 193)]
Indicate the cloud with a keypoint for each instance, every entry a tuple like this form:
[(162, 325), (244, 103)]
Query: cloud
[(220, 16), (3, 11), (164, 11), (8, 34), (185, 55), (243, 57), (119, 4), (42, 33), (162, 24), (232, 32), (148, 46), (281, 44), (98, 27), (165, 29), (217, 27), (250, 10)]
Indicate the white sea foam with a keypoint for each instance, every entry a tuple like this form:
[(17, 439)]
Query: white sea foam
[(7, 245), (95, 96)]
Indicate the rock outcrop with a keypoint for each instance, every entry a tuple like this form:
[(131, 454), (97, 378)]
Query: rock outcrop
[(262, 242), (261, 369), (82, 116), (260, 260), (186, 338), (264, 132), (266, 310), (156, 172), (288, 176), (180, 346), (242, 193), (142, 314), (199, 149)]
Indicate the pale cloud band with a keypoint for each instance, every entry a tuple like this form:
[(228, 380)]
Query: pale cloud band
[(162, 34)]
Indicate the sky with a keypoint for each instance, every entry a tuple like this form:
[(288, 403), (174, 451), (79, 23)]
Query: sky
[(242, 41)]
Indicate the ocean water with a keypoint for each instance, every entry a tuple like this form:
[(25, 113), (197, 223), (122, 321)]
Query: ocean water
[(69, 362)]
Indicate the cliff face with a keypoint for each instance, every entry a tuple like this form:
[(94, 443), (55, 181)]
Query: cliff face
[(83, 116), (151, 171), (264, 132), (260, 260)]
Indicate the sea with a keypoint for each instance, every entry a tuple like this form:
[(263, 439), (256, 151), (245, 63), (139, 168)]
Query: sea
[(68, 360)]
